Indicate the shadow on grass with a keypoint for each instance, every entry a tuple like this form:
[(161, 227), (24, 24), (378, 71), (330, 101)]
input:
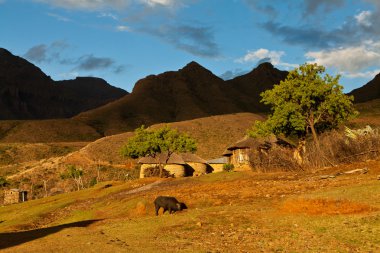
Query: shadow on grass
[(16, 238)]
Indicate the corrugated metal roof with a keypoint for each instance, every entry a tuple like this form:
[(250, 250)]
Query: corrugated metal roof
[(220, 160)]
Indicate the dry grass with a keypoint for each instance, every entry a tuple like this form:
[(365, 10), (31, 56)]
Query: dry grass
[(228, 212), (336, 148), (325, 206)]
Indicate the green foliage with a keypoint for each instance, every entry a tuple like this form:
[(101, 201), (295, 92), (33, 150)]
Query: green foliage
[(3, 182), (74, 172), (153, 142), (228, 167), (93, 182), (305, 102)]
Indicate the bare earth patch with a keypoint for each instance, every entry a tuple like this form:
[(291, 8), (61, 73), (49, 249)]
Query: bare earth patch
[(325, 206)]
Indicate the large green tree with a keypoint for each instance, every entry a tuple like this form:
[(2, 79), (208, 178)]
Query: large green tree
[(307, 102), (153, 143)]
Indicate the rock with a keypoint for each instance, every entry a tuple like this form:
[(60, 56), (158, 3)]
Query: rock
[(199, 224), (378, 177)]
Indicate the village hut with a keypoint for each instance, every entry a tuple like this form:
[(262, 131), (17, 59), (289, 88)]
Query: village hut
[(178, 165), (245, 151), (241, 152), (175, 165), (217, 164), (13, 196), (195, 165)]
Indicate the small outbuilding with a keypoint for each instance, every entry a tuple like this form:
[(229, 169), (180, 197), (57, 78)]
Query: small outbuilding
[(217, 165), (13, 196)]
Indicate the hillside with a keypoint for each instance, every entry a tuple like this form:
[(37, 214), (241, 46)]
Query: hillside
[(227, 212), (367, 92), (189, 93), (27, 93)]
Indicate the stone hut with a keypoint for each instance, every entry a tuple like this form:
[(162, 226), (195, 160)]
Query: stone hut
[(179, 165), (13, 196), (195, 165), (242, 152), (217, 164)]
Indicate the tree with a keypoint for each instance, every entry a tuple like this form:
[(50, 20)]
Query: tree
[(76, 174), (3, 182), (154, 143), (305, 102)]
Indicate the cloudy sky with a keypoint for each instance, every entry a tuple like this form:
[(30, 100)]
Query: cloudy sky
[(123, 41)]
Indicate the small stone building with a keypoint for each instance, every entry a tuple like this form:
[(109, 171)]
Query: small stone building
[(217, 165), (13, 196), (179, 165), (241, 153)]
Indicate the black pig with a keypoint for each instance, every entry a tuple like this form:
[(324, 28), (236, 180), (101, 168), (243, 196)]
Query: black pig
[(170, 204)]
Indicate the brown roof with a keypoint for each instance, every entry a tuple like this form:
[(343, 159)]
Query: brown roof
[(174, 159), (248, 142), (192, 158), (227, 152)]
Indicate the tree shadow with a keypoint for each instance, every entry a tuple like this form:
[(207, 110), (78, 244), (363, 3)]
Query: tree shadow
[(16, 238)]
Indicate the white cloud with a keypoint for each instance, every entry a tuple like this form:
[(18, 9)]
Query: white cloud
[(69, 75), (87, 4), (93, 5), (59, 17), (254, 56), (159, 2), (123, 28), (351, 61), (108, 15), (364, 18), (263, 54), (365, 74)]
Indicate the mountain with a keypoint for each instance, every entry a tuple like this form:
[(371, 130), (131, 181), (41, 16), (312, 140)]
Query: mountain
[(27, 93), (189, 93), (369, 91)]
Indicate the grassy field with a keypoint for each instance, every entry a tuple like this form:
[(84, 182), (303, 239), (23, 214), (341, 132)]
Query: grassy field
[(228, 212)]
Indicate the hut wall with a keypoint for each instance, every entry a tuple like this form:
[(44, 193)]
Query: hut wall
[(217, 167), (14, 196), (240, 157), (176, 170), (198, 168)]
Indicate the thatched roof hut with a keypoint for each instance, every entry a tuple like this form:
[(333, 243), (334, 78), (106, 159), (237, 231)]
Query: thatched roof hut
[(239, 153), (179, 165)]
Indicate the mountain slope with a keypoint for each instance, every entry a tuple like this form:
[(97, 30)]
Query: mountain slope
[(367, 92), (27, 93), (189, 93)]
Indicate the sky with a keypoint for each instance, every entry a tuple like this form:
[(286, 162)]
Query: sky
[(123, 41)]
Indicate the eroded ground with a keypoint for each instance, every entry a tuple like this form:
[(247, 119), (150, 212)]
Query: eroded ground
[(228, 212)]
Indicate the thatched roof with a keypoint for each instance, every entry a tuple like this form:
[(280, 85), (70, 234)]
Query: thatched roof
[(258, 143), (227, 153), (174, 159), (192, 158), (220, 160)]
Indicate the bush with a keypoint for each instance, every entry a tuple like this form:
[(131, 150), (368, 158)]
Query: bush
[(275, 159), (337, 147), (228, 167), (155, 172)]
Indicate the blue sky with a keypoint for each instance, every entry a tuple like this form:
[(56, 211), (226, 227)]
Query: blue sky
[(123, 41)]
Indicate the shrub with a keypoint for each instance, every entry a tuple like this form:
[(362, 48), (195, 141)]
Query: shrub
[(228, 167), (155, 172)]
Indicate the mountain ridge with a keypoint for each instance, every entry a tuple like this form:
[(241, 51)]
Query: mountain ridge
[(26, 92)]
